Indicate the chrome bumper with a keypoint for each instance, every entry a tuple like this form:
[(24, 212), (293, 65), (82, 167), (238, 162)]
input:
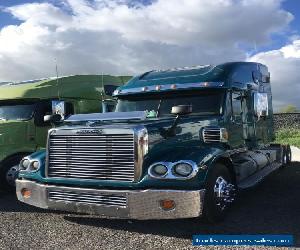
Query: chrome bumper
[(140, 204)]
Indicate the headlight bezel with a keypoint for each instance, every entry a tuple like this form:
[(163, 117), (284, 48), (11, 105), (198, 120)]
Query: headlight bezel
[(29, 168), (171, 174)]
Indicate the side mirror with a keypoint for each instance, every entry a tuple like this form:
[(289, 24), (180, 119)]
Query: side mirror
[(108, 105), (263, 114), (56, 118), (181, 110), (109, 89)]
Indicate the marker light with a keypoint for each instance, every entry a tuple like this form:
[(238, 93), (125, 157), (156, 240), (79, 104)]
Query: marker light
[(26, 193), (167, 204), (224, 135)]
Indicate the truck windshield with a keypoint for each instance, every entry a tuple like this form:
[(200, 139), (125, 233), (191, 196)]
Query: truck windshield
[(205, 103), (17, 112)]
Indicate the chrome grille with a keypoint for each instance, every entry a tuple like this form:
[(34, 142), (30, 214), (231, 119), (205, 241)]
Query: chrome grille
[(88, 198), (211, 135), (96, 157)]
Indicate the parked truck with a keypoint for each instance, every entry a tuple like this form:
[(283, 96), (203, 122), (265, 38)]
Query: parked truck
[(23, 106), (180, 144)]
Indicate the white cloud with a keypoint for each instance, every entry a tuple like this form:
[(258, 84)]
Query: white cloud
[(126, 37), (284, 65)]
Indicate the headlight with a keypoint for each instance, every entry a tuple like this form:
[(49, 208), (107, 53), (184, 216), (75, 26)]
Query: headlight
[(159, 169), (24, 164), (29, 165), (180, 170), (183, 169), (35, 165)]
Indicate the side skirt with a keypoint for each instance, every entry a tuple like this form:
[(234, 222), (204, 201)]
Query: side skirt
[(258, 176)]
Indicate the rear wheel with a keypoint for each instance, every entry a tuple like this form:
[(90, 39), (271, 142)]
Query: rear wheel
[(286, 155), (9, 170), (220, 193)]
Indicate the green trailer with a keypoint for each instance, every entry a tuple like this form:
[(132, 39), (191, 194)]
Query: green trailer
[(23, 106)]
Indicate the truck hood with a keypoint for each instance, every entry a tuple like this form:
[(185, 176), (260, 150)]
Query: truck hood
[(111, 116), (186, 133), (185, 144)]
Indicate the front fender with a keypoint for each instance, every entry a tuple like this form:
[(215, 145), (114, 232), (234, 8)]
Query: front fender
[(202, 155), (6, 152)]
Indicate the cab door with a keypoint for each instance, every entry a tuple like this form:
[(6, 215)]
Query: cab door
[(261, 110), (249, 120), (236, 137), (41, 128)]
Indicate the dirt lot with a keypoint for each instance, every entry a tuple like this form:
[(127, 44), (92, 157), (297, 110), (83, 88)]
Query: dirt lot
[(273, 207)]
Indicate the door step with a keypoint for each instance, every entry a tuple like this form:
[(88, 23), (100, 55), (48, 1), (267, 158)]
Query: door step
[(259, 176)]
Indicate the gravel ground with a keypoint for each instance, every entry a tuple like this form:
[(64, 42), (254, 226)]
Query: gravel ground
[(287, 120), (273, 207)]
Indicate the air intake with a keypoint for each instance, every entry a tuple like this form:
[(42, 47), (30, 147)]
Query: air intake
[(214, 134)]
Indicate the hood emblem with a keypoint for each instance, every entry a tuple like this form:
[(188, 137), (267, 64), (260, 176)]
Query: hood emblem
[(90, 132)]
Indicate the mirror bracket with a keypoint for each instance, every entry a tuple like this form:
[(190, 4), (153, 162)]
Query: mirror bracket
[(178, 111)]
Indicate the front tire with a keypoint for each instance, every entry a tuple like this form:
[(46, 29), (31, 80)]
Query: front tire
[(9, 170), (220, 193)]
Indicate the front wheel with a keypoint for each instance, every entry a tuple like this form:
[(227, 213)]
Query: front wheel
[(9, 170), (220, 193)]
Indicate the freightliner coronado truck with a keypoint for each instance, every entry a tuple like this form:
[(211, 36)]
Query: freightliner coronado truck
[(180, 144), (23, 106)]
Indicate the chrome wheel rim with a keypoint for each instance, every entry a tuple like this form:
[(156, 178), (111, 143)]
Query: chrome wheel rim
[(224, 193), (12, 175)]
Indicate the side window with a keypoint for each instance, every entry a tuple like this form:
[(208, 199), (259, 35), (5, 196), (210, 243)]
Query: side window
[(261, 104), (42, 108), (236, 104), (69, 109)]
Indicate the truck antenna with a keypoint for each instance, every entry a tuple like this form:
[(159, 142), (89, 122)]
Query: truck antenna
[(255, 50), (57, 83), (102, 85)]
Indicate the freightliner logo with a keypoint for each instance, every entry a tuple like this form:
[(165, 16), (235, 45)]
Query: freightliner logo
[(90, 132)]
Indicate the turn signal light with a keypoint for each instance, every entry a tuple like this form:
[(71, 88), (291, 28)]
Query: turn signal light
[(26, 193), (167, 204)]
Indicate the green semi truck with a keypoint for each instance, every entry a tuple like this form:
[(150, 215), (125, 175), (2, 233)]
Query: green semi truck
[(180, 144), (23, 106)]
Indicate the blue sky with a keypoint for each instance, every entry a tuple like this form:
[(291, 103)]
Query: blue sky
[(278, 40), (131, 37)]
